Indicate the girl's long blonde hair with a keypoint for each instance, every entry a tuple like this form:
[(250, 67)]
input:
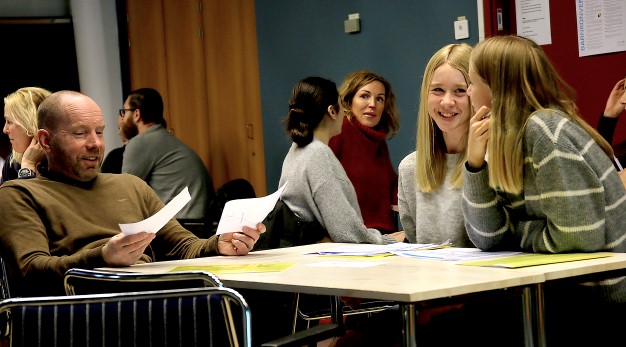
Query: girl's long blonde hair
[(430, 166), (522, 81), (22, 105)]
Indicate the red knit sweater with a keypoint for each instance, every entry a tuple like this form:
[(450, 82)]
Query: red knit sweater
[(364, 155)]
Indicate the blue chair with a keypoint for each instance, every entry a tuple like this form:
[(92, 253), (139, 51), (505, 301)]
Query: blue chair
[(179, 317)]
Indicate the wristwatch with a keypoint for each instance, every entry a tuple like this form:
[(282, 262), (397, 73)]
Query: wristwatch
[(26, 173)]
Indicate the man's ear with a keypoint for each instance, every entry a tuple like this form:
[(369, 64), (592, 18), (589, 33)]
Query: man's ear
[(137, 116), (43, 136)]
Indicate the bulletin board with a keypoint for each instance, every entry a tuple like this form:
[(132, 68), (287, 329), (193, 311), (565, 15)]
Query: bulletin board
[(592, 77)]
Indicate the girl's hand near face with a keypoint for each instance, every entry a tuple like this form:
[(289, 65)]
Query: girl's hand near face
[(478, 137), (614, 107), (33, 155)]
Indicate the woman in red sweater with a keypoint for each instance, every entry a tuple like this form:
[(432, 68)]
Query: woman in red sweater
[(371, 118)]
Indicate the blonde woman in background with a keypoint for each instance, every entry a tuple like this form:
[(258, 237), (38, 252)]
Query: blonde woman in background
[(20, 114)]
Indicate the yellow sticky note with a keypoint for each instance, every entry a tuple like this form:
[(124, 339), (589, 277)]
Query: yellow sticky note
[(236, 268), (524, 260)]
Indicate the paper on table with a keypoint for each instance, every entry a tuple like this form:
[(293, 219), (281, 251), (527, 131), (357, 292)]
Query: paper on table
[(154, 223), (236, 268), (345, 264), (533, 259), (455, 254), (373, 250), (247, 212)]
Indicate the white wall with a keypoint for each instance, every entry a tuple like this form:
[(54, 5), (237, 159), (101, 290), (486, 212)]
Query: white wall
[(97, 51)]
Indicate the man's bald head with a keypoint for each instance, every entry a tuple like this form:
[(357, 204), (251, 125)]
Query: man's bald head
[(71, 126), (52, 111)]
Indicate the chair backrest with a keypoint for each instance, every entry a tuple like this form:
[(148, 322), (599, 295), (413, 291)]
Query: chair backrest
[(285, 229), (179, 317), (238, 188), (82, 281), (206, 227)]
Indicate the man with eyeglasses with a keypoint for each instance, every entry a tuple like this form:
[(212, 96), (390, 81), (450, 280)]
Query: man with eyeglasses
[(159, 158), (68, 217)]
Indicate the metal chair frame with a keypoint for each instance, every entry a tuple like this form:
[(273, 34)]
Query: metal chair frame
[(130, 281), (367, 307), (227, 295), (79, 281)]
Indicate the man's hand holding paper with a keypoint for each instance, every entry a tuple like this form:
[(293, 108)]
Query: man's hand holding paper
[(242, 216), (247, 212), (154, 223)]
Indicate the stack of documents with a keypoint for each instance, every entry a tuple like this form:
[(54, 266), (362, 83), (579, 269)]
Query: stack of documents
[(454, 254), (373, 250)]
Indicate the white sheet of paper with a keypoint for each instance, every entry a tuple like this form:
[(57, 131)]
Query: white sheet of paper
[(154, 223), (345, 264), (456, 254), (247, 212), (371, 250)]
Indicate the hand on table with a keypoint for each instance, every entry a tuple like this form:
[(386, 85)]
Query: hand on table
[(398, 236)]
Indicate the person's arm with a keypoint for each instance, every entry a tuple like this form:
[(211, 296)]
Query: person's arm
[(558, 188), (566, 184), (612, 111), (486, 219), (406, 196), (606, 127), (340, 216), (32, 156), (25, 241)]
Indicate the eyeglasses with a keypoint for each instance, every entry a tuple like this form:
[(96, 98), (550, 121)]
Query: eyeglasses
[(122, 111)]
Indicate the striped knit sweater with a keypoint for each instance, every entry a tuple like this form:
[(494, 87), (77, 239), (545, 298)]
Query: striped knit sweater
[(573, 199)]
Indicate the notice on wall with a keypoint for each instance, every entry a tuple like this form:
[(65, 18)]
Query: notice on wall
[(601, 26), (533, 20)]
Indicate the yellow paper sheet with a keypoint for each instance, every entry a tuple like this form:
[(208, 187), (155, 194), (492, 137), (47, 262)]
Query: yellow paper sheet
[(237, 268), (524, 260), (377, 256)]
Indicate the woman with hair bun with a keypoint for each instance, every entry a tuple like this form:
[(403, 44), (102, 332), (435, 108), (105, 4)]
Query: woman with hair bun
[(319, 189)]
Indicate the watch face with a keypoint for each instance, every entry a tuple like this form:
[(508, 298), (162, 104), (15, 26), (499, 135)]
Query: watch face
[(26, 173)]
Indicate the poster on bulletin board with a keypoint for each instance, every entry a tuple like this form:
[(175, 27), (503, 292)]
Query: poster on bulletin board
[(533, 20), (601, 26)]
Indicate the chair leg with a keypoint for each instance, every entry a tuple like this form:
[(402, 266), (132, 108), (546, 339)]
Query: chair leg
[(295, 313)]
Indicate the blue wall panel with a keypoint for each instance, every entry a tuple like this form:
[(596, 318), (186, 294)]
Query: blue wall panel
[(299, 38)]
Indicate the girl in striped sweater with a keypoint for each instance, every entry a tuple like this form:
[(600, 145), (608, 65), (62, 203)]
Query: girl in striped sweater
[(540, 179)]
